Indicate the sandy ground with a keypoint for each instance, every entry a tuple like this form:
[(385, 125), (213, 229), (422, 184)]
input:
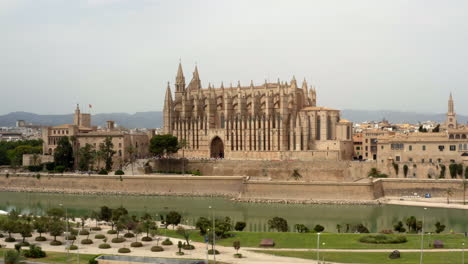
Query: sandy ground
[(226, 253)]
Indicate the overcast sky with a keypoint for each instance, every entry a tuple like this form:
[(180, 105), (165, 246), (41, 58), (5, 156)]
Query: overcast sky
[(118, 55)]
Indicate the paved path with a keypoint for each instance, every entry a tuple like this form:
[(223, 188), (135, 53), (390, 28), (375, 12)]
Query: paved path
[(356, 250)]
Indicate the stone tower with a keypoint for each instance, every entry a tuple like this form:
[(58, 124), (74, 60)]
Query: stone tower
[(451, 121)]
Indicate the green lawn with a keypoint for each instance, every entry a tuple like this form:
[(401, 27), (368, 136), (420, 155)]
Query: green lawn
[(331, 240), (58, 257), (373, 258)]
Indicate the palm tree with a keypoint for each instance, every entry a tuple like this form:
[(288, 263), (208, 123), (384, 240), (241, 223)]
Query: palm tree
[(374, 172), (13, 257), (449, 193), (131, 153)]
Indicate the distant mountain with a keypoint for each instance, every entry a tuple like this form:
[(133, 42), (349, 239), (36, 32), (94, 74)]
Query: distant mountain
[(154, 119), (359, 116)]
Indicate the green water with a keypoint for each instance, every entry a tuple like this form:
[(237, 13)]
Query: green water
[(375, 217)]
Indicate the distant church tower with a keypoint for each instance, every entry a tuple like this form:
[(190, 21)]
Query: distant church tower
[(451, 121)]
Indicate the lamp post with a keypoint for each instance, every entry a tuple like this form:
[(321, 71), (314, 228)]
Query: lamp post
[(422, 237), (318, 247), (207, 248), (323, 257), (66, 232), (463, 253), (214, 233)]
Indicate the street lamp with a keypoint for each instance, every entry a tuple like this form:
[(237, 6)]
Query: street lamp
[(318, 247), (214, 234), (422, 237), (323, 257), (463, 253), (66, 231)]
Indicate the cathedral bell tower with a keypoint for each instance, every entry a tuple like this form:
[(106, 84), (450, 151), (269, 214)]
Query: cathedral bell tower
[(451, 121)]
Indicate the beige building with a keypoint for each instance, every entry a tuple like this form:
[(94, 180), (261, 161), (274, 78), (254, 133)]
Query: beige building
[(425, 153), (84, 133), (270, 121)]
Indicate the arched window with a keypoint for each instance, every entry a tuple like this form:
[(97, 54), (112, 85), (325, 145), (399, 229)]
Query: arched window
[(222, 121)]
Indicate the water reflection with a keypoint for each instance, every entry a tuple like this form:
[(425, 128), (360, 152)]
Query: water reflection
[(375, 217)]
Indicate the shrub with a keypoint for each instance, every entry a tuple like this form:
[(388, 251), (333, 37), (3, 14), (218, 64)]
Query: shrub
[(278, 223), (40, 238), (119, 172), (112, 232), (129, 235), (84, 232), (210, 252), (93, 260), (362, 229), (104, 246), (124, 250), (157, 249), (86, 241), (55, 243), (73, 247), (146, 238), (99, 236), (136, 244), (439, 227), (34, 252), (383, 239), (386, 231), (10, 239), (398, 227), (180, 253), (70, 237), (59, 169), (96, 228), (103, 172), (239, 226), (319, 228), (300, 228), (188, 247), (238, 255), (118, 240), (167, 242), (24, 244), (33, 168)]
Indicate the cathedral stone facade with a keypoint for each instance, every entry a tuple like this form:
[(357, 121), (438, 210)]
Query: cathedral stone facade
[(269, 121)]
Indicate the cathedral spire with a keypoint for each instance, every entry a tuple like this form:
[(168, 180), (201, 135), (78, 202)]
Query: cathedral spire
[(180, 79), (195, 83), (451, 108)]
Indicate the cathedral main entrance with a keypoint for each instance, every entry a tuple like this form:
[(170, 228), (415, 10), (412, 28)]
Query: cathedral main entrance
[(217, 148)]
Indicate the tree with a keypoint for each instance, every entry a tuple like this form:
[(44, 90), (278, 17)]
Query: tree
[(398, 227), (449, 193), (173, 218), (185, 233), (107, 149), (138, 229), (439, 227), (236, 244), (40, 224), (411, 223), (222, 226), (56, 213), (338, 228), (85, 157), (83, 221), (278, 223), (239, 226), (163, 144), (396, 168), (405, 170), (56, 228), (453, 170), (105, 214), (203, 224), (128, 222), (319, 228), (300, 228), (13, 257), (63, 155), (442, 171), (131, 155), (116, 214), (25, 230), (148, 224), (460, 169), (10, 226)]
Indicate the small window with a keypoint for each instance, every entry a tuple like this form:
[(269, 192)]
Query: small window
[(441, 147), (397, 158), (410, 159), (358, 148), (367, 148), (382, 147), (410, 148), (453, 147), (424, 147), (422, 160), (430, 160)]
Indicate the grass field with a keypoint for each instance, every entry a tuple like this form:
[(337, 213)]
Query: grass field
[(375, 258), (331, 240), (58, 257)]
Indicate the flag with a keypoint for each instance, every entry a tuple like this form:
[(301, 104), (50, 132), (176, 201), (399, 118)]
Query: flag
[(90, 106)]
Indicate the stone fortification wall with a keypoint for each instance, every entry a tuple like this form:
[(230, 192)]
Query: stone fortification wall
[(309, 191), (410, 187), (275, 170), (145, 185)]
